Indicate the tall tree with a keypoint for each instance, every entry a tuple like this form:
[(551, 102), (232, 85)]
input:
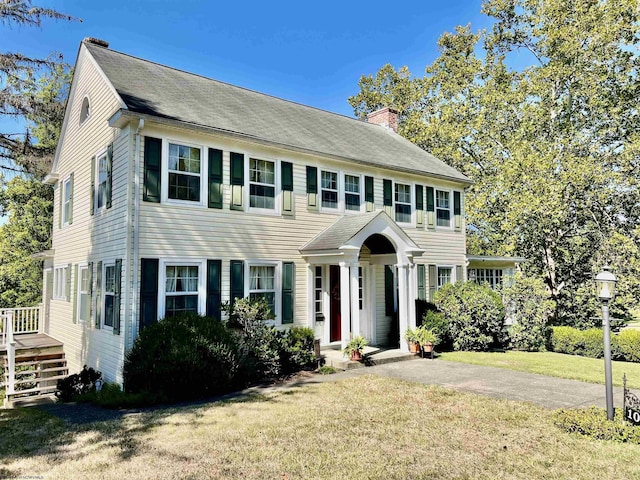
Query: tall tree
[(553, 147), (19, 90)]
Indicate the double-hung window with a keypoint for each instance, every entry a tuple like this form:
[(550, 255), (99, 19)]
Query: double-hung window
[(185, 172), (84, 298), (181, 289), (109, 279), (66, 201), (101, 181), (329, 189), (262, 284), (443, 208), (60, 283), (445, 276), (403, 203), (262, 184), (352, 192)]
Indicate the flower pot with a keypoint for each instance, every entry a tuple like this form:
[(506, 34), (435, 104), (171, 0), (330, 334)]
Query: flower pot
[(356, 356), (427, 347), (414, 347)]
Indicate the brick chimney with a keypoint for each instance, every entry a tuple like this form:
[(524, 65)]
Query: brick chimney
[(387, 117)]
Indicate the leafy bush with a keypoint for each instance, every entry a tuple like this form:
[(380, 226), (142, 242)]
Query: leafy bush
[(438, 324), (527, 305), (625, 345), (296, 351), (77, 384), (183, 357), (474, 313), (628, 343), (112, 396), (592, 422), (327, 370)]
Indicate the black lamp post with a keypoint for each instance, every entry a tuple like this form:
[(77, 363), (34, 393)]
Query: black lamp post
[(606, 290)]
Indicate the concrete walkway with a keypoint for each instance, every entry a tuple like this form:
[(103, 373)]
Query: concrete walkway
[(549, 392)]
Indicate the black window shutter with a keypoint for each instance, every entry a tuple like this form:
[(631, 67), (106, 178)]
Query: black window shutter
[(431, 206), (152, 169), (457, 211), (389, 294), (117, 297), (433, 281), (98, 294), (109, 174), (92, 193), (237, 168), (419, 197), (237, 281), (387, 193), (312, 179), (148, 292), (214, 288), (215, 178), (287, 176), (368, 189), (288, 291)]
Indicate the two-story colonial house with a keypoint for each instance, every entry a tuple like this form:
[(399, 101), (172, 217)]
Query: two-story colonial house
[(175, 192)]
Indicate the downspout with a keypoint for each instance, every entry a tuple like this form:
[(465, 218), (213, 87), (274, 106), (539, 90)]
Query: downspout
[(134, 233)]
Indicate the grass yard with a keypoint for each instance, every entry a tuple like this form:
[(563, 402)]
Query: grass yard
[(553, 364), (365, 427)]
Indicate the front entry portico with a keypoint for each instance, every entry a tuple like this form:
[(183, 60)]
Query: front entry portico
[(349, 294)]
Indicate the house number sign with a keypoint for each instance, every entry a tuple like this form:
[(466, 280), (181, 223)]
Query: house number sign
[(631, 405)]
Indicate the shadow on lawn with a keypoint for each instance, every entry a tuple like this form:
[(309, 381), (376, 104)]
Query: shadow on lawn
[(60, 432)]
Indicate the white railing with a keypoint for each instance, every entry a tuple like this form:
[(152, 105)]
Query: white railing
[(25, 320)]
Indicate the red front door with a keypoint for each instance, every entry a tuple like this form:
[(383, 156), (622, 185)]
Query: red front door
[(334, 310)]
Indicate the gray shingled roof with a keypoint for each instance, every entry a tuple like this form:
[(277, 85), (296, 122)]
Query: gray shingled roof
[(340, 232), (157, 90)]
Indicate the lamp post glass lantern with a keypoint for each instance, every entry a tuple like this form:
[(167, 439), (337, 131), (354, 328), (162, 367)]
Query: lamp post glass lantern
[(606, 291)]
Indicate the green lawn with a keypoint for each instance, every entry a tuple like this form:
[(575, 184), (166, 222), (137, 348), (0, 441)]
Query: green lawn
[(552, 364), (365, 427)]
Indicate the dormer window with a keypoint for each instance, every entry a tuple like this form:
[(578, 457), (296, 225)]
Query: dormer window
[(85, 110)]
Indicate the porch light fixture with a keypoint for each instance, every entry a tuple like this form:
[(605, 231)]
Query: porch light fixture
[(606, 291)]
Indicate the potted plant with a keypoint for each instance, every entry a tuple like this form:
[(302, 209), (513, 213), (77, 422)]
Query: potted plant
[(355, 347), (411, 337), (426, 338)]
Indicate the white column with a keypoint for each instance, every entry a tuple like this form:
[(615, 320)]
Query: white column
[(355, 304), (345, 305), (372, 308), (403, 312), (413, 294)]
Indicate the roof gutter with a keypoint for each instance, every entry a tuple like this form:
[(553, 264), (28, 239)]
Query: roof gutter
[(123, 116)]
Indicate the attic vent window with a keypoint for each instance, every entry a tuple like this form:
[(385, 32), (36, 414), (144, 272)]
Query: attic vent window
[(85, 110)]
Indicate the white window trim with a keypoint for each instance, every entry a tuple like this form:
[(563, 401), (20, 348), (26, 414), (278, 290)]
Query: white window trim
[(103, 293), (453, 275), (339, 179), (343, 195), (96, 184), (204, 173), (182, 262), (278, 285), (317, 313), (88, 98), (247, 182), (452, 220), (63, 191), (63, 295), (82, 266), (411, 203)]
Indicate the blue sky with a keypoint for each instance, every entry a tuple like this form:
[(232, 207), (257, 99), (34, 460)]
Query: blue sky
[(309, 52)]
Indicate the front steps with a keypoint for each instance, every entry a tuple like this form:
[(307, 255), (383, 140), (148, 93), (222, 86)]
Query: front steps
[(333, 357), (36, 375)]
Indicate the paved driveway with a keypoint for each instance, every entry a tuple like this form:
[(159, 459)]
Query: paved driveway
[(549, 392)]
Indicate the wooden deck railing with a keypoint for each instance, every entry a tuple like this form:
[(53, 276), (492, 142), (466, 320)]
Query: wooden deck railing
[(25, 320)]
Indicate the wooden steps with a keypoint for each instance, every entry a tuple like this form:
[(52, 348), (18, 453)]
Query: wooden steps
[(37, 372)]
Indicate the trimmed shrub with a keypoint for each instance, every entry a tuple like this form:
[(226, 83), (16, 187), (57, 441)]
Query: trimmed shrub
[(69, 388), (593, 343), (566, 340), (438, 324), (592, 422), (296, 351), (527, 304), (628, 343), (474, 313), (184, 357)]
